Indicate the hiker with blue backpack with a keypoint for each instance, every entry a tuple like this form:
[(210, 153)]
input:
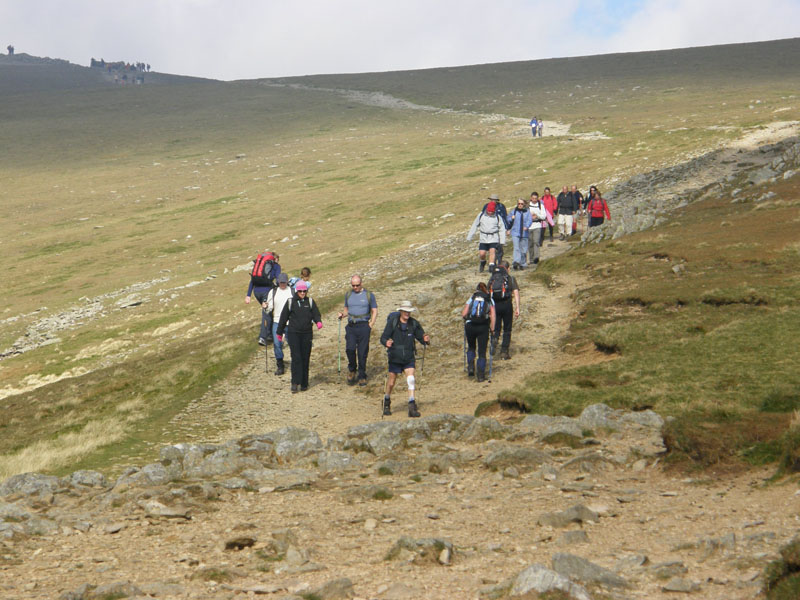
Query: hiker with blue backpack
[(262, 280), (492, 226), (479, 321), (400, 336)]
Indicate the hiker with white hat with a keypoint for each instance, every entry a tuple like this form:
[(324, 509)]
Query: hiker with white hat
[(492, 227), (399, 337)]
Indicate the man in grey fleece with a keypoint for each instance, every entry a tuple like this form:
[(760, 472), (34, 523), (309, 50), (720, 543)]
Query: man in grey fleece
[(493, 234)]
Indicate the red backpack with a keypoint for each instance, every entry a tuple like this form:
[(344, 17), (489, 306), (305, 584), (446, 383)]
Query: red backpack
[(262, 270)]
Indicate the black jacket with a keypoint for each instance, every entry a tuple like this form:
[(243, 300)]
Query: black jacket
[(403, 345), (567, 203), (298, 315)]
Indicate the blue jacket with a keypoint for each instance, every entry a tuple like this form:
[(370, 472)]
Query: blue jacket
[(520, 220)]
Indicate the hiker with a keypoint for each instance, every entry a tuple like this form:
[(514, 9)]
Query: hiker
[(298, 316), (505, 293), (539, 222), (398, 336), (581, 204), (479, 320), (597, 208), (262, 280), (520, 220), (551, 206), (492, 229), (567, 207), (305, 275), (276, 299), (534, 126), (361, 311), (541, 127)]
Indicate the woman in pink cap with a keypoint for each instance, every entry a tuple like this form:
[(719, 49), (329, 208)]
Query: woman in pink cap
[(298, 317)]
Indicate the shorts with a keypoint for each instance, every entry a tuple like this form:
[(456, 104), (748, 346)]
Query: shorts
[(398, 368), (483, 246)]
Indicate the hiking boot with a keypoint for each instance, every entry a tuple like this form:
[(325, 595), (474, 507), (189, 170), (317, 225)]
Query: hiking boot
[(362, 382), (262, 341), (482, 267), (387, 406), (351, 378), (412, 409), (294, 388), (481, 376), (303, 388), (280, 370), (471, 369), (515, 266), (504, 354), (491, 267)]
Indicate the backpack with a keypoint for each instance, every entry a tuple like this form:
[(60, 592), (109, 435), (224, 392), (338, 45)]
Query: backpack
[(369, 298), (262, 270), (394, 319), (479, 306), (500, 284)]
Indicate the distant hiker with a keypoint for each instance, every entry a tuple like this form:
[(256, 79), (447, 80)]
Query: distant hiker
[(521, 222), (479, 320), (399, 337), (361, 310), (262, 280), (541, 128), (551, 206), (505, 293), (276, 299), (567, 207), (534, 126), (539, 222), (597, 208), (298, 316), (492, 228), (10, 49)]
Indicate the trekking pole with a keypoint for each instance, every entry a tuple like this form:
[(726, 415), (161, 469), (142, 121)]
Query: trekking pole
[(422, 366), (266, 346), (339, 350), (491, 357), (465, 350)]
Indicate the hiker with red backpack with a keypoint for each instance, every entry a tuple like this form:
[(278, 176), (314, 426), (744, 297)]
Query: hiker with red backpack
[(298, 317), (399, 337), (479, 319), (597, 208), (505, 294), (262, 280)]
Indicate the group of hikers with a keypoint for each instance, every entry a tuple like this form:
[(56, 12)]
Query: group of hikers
[(530, 220), (289, 311), (537, 127)]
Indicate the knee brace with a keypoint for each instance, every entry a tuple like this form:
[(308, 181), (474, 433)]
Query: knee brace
[(411, 383)]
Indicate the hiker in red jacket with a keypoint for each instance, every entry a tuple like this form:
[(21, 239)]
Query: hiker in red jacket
[(597, 208), (550, 205)]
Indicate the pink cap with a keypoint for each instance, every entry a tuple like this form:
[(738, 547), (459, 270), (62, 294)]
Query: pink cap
[(301, 285)]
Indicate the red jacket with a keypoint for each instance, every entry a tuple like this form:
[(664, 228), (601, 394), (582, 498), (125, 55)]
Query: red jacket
[(597, 207), (550, 204)]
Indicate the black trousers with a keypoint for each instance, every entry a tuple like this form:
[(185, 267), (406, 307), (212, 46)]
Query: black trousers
[(477, 334), (266, 318), (504, 319), (356, 346), (595, 221), (300, 347)]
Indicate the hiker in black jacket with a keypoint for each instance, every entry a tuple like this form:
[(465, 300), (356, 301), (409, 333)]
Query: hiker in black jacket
[(399, 337), (567, 207), (297, 318)]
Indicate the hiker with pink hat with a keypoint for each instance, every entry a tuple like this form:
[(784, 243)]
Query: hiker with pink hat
[(297, 319)]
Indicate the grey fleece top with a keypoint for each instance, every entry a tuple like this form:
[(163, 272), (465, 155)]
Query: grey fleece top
[(491, 227)]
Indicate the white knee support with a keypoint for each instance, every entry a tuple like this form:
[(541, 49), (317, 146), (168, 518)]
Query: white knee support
[(411, 383)]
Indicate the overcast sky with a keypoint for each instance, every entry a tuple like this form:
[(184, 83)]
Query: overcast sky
[(246, 39)]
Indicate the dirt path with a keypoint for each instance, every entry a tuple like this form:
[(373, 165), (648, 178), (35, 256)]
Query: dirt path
[(252, 401)]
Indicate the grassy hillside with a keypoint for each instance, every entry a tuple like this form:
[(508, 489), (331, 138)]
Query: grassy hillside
[(130, 208)]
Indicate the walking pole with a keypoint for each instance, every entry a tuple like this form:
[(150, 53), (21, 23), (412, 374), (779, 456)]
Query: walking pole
[(339, 350), (266, 346), (422, 366), (465, 350), (491, 356)]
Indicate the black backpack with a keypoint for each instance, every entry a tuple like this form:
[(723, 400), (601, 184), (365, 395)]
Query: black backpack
[(500, 284), (479, 307), (262, 270)]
